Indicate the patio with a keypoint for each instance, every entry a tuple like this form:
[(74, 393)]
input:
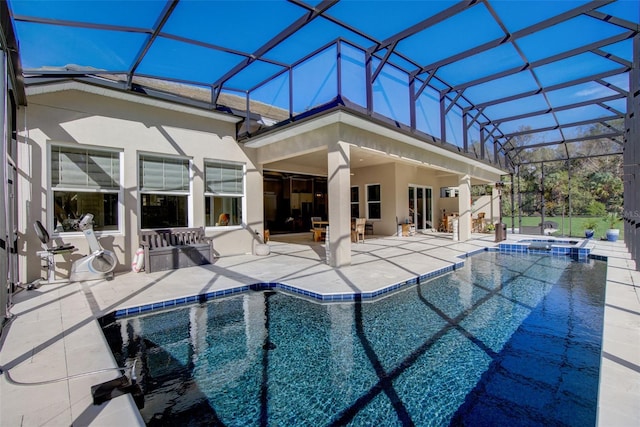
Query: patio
[(54, 333)]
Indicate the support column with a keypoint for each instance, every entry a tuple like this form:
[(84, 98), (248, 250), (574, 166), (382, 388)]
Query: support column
[(513, 206), (495, 205), (464, 207), (631, 159), (569, 195), (5, 227), (339, 189), (519, 204), (543, 202)]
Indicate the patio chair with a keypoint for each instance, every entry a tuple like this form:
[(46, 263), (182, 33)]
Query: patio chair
[(360, 229), (478, 223), (318, 229), (368, 227)]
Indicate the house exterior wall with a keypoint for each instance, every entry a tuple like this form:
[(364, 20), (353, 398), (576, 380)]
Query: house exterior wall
[(395, 179), (447, 204), (384, 175), (91, 119), (76, 114), (415, 176), (485, 204), (393, 175)]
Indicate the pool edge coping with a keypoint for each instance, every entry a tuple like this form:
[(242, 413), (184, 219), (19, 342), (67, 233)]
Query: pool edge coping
[(316, 296)]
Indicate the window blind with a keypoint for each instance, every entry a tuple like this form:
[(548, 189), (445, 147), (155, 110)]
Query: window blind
[(73, 168), (224, 178), (163, 174)]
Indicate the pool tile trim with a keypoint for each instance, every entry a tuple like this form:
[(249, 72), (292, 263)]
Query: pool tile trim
[(579, 251), (264, 286), (581, 254)]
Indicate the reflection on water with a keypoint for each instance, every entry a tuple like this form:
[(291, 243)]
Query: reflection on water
[(508, 339)]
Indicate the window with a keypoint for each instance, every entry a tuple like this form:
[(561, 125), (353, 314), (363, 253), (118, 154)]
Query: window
[(164, 191), (355, 202), (373, 201), (85, 180), (224, 193), (449, 192)]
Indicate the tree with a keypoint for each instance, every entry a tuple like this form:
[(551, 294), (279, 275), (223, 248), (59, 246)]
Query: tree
[(590, 182)]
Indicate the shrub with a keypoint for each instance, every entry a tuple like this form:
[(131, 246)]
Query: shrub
[(612, 219), (596, 209), (590, 224)]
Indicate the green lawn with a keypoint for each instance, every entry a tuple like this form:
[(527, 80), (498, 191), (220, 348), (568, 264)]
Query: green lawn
[(577, 225)]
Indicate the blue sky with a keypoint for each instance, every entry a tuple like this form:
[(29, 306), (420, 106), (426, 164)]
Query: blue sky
[(225, 30)]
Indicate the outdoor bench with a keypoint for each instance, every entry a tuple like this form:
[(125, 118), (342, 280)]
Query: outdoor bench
[(171, 248)]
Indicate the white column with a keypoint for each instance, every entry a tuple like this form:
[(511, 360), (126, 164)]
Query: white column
[(338, 183), (464, 208), (495, 205)]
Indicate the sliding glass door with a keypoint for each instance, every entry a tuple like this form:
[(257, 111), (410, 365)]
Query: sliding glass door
[(421, 207)]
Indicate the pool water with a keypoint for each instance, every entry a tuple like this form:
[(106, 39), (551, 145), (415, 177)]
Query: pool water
[(509, 339)]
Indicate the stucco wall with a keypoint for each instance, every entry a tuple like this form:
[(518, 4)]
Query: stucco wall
[(395, 179), (385, 176), (485, 205), (447, 204), (427, 165), (90, 119), (407, 175)]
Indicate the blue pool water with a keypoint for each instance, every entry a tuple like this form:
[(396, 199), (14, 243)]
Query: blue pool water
[(509, 339)]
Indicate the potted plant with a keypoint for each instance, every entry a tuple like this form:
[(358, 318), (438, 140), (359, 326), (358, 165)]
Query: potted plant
[(590, 226), (613, 232)]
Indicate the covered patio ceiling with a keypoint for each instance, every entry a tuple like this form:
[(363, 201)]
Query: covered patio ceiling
[(360, 157), (494, 79)]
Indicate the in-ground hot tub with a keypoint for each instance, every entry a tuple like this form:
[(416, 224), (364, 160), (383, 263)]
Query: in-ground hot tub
[(578, 249)]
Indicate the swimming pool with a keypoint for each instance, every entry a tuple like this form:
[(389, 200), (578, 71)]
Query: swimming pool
[(509, 339)]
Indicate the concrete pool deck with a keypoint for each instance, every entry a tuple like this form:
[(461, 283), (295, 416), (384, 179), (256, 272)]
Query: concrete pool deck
[(54, 333)]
